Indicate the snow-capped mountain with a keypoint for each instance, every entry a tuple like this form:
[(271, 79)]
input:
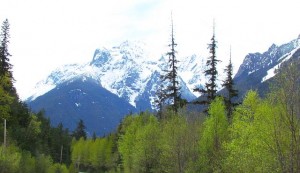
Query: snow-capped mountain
[(128, 71), (272, 57), (117, 81), (258, 68)]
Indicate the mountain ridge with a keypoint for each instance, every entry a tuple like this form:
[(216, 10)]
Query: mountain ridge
[(125, 71), (268, 59), (258, 68)]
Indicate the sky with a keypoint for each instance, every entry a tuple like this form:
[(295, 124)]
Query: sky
[(46, 34)]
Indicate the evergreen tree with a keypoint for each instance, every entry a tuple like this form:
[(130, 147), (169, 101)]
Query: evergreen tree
[(172, 91), (6, 87), (79, 132), (229, 86), (5, 67), (210, 90), (4, 54)]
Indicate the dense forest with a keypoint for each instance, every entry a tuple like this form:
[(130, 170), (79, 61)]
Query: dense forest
[(256, 135)]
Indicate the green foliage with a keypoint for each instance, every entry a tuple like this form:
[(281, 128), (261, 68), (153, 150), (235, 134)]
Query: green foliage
[(13, 160), (78, 152), (147, 145), (5, 98), (259, 138), (243, 149), (43, 164), (285, 96), (27, 162), (147, 150), (94, 155), (33, 129), (58, 168), (214, 134), (179, 144), (138, 145), (9, 159)]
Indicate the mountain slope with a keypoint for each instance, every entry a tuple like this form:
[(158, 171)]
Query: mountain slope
[(83, 98), (115, 82), (258, 68)]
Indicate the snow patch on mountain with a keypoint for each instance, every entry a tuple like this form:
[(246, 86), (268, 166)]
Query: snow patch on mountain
[(127, 71), (271, 72), (41, 89), (191, 71)]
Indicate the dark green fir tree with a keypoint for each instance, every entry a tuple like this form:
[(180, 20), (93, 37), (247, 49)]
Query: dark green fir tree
[(210, 89), (79, 132), (5, 66), (7, 91), (172, 91), (228, 83)]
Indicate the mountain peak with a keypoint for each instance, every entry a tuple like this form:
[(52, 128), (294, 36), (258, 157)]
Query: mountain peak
[(273, 47), (132, 44), (256, 61), (101, 56)]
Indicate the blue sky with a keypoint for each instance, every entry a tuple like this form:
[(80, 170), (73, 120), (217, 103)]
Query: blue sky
[(46, 34)]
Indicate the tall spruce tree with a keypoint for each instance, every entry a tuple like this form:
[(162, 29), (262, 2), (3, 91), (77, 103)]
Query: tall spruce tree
[(7, 90), (231, 91), (5, 68), (210, 89), (6, 76), (79, 132), (172, 91)]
